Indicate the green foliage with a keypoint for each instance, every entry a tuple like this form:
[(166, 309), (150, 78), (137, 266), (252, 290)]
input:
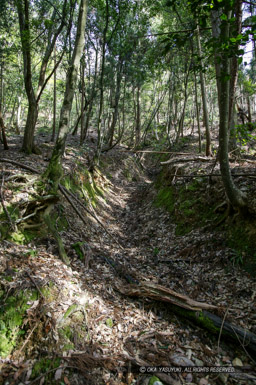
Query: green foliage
[(185, 203), (43, 366), (109, 322), (243, 133), (241, 239), (165, 198), (155, 381), (12, 312), (78, 249)]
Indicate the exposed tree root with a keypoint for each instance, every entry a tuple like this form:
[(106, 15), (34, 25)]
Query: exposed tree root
[(54, 232)]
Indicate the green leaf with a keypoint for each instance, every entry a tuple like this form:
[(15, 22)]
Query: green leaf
[(109, 322), (224, 17)]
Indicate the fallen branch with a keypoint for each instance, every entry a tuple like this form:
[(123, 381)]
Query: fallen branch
[(184, 160), (161, 293), (253, 176), (195, 311), (3, 160), (191, 309)]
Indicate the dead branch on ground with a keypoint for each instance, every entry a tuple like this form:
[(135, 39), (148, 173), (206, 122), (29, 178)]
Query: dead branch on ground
[(3, 160)]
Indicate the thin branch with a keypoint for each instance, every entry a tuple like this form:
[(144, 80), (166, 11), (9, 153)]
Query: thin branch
[(173, 32)]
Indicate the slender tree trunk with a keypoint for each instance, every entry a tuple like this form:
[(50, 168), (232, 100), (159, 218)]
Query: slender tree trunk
[(23, 13), (54, 98), (138, 122), (2, 126), (208, 150), (235, 196), (181, 121), (104, 41), (54, 170), (91, 101), (116, 103), (197, 115), (82, 98), (2, 130), (32, 96), (234, 76)]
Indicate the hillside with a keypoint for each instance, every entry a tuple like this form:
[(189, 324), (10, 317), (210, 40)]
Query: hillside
[(129, 227)]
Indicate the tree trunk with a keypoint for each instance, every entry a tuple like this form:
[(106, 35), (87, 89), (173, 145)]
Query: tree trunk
[(138, 123), (92, 96), (82, 98), (208, 150), (54, 98), (197, 115), (2, 131), (99, 142), (34, 97), (54, 170), (23, 13), (116, 103), (235, 196), (181, 121), (234, 75)]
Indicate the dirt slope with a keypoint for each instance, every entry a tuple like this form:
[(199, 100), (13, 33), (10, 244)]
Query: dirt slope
[(79, 318)]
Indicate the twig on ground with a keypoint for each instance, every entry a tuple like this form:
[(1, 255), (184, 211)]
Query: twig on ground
[(36, 285), (28, 338), (253, 176), (221, 328), (197, 159)]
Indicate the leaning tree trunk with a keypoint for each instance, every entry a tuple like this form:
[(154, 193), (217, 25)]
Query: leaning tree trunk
[(236, 198), (54, 170)]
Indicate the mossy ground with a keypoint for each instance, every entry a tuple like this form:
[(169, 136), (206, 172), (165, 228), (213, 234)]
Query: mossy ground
[(13, 310), (186, 203), (85, 185), (241, 238), (189, 207)]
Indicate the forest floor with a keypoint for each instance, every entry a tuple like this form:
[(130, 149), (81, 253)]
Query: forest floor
[(82, 327)]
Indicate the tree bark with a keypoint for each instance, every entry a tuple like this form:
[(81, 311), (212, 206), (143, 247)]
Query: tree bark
[(116, 103), (138, 123), (54, 98), (104, 41), (23, 13), (32, 96), (235, 196), (54, 170), (197, 115), (208, 150)]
